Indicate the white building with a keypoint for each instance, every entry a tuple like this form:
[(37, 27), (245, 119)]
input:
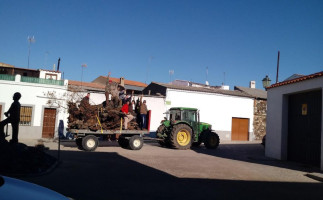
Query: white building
[(229, 112), (38, 118), (294, 120)]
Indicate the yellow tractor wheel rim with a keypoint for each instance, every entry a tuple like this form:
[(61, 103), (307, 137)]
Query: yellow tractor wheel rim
[(183, 137)]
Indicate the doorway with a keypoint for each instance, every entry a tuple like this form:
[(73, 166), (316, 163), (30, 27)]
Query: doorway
[(240, 129), (49, 123)]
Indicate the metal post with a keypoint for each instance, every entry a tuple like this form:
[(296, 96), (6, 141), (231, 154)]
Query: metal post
[(59, 148), (277, 67)]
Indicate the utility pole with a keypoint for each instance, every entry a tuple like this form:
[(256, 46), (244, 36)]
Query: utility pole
[(277, 66)]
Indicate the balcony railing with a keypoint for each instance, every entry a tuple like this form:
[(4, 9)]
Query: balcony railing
[(41, 80), (7, 77)]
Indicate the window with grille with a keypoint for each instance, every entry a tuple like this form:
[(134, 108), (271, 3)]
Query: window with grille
[(25, 115)]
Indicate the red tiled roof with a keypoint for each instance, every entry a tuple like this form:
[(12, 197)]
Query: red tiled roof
[(86, 84), (127, 82), (303, 78)]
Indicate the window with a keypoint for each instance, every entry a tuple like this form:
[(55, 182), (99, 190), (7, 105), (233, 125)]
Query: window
[(189, 116), (175, 115), (25, 115), (51, 76)]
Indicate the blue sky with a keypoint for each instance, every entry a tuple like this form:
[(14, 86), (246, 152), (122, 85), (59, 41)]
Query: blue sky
[(143, 39)]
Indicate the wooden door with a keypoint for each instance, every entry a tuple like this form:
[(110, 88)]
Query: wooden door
[(304, 127), (240, 129), (49, 123), (0, 112)]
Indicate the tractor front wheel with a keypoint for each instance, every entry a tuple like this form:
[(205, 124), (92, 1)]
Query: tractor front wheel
[(181, 137), (212, 140)]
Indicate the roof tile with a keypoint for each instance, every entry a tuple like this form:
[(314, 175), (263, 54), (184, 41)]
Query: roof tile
[(303, 78)]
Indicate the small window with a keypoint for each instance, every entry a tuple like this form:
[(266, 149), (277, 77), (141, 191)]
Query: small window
[(51, 76), (25, 115)]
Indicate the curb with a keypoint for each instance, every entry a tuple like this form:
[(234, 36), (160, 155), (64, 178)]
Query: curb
[(315, 176)]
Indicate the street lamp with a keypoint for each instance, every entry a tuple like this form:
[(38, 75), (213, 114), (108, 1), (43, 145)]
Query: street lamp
[(266, 82)]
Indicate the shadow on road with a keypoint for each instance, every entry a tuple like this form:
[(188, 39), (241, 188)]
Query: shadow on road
[(247, 152), (253, 153), (98, 175)]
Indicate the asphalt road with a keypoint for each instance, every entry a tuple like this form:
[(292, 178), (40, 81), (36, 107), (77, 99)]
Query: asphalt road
[(233, 171)]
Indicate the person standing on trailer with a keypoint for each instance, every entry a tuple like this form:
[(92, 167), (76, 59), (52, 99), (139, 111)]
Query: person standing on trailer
[(143, 114)]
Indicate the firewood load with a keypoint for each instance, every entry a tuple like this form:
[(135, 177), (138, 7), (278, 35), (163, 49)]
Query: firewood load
[(86, 116)]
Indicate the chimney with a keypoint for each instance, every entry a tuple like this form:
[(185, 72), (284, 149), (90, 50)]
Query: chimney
[(122, 81), (252, 84), (225, 87)]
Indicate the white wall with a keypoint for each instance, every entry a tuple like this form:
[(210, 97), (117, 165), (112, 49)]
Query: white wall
[(215, 109), (158, 108), (32, 95), (43, 73), (277, 116)]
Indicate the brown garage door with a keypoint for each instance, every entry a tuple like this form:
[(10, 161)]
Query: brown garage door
[(240, 129), (49, 123)]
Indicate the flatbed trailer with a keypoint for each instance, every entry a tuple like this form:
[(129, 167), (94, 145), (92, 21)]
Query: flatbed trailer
[(88, 140)]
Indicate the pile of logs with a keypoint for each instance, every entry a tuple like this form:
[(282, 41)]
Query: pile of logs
[(95, 117)]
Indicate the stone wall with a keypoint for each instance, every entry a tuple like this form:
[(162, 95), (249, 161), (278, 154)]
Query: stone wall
[(259, 123)]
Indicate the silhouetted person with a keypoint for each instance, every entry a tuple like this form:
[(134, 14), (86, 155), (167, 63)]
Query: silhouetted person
[(13, 117)]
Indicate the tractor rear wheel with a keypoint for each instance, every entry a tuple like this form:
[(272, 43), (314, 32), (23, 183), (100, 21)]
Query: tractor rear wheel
[(212, 140), (181, 137)]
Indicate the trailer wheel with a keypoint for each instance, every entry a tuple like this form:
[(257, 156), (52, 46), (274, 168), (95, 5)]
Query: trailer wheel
[(212, 140), (78, 142), (123, 142), (90, 143), (136, 142)]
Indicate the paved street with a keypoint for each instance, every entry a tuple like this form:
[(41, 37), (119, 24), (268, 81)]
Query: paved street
[(236, 170)]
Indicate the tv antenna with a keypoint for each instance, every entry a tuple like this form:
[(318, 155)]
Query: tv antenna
[(30, 40), (223, 78), (83, 66), (207, 73), (171, 72)]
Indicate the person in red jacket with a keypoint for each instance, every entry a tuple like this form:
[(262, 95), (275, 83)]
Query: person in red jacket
[(128, 117)]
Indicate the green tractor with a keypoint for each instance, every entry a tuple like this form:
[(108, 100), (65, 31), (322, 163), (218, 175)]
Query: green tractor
[(182, 129)]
